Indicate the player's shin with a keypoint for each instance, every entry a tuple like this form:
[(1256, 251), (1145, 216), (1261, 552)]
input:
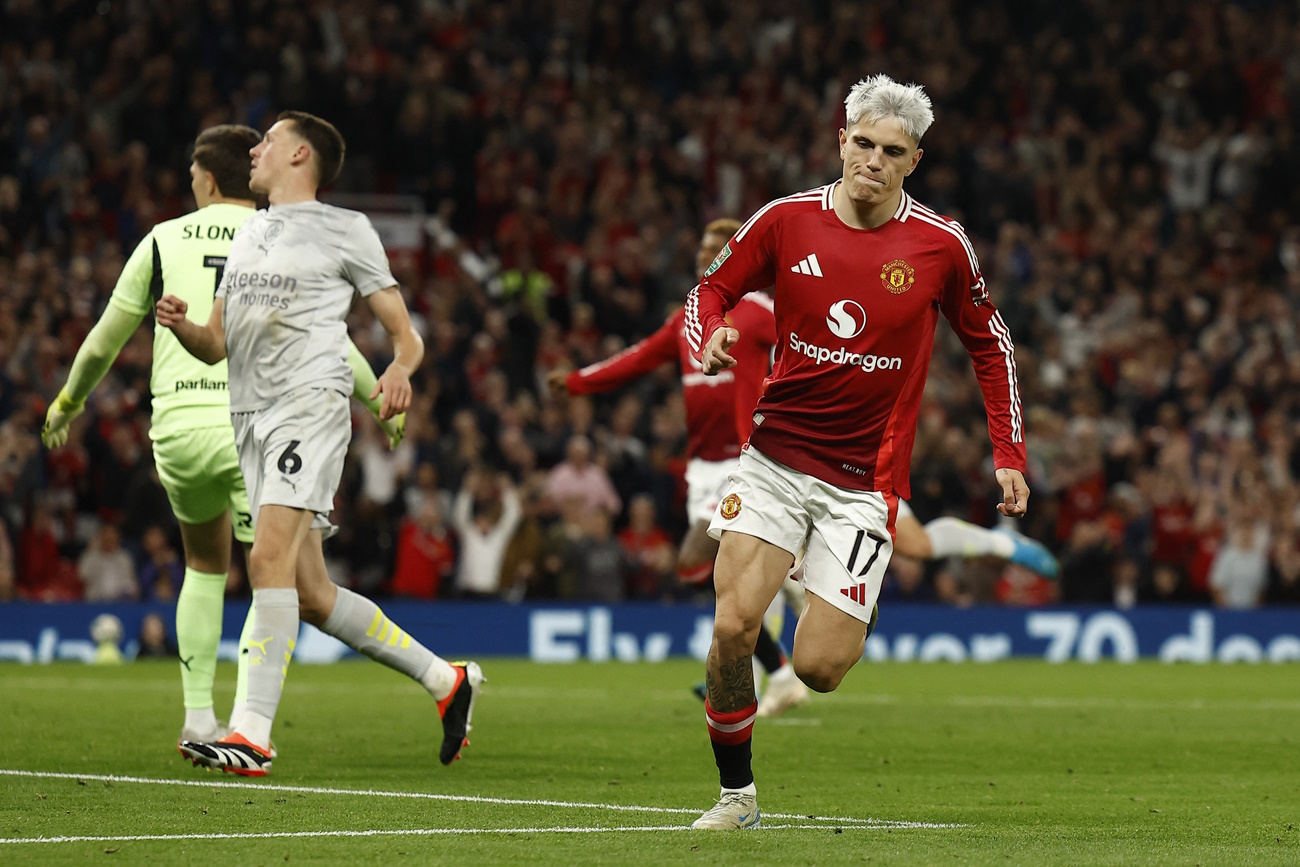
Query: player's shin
[(270, 648), (198, 632), (730, 710), (363, 626)]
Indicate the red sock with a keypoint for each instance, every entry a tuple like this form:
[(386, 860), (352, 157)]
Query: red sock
[(731, 734)]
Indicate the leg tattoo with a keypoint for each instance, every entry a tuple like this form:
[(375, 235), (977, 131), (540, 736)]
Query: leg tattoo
[(732, 687)]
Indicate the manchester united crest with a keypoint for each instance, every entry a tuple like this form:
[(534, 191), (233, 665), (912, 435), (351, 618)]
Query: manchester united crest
[(730, 507), (898, 276)]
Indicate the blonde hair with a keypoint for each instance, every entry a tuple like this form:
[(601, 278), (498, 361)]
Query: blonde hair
[(724, 226), (879, 97)]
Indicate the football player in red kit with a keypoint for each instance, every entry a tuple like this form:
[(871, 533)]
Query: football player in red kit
[(860, 274)]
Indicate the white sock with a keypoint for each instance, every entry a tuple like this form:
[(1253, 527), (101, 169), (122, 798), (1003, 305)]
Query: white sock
[(200, 719), (270, 648), (361, 625), (439, 679), (751, 789), (256, 728), (952, 537), (237, 714)]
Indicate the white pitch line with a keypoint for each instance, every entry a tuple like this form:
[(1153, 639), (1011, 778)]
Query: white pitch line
[(430, 796), (411, 832)]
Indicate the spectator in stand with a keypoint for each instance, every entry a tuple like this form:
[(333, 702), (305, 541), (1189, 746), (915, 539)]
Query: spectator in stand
[(426, 489), (649, 548), (106, 570), (1239, 576), (1087, 568), (383, 469), (42, 574), (155, 643), (1284, 576), (426, 553), (579, 477), (522, 571), (601, 565), (1165, 585), (162, 571), (487, 513)]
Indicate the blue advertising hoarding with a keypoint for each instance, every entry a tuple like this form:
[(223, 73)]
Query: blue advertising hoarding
[(37, 633)]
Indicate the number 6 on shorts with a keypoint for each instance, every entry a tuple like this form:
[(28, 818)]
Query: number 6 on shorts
[(290, 462)]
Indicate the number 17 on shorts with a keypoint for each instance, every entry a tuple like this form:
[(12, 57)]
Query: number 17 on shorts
[(849, 549)]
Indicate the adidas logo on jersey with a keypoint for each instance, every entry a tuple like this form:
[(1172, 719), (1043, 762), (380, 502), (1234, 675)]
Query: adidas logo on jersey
[(808, 265)]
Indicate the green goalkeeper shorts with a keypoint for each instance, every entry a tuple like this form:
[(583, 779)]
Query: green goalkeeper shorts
[(199, 470)]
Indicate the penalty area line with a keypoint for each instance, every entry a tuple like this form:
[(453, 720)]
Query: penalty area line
[(460, 799)]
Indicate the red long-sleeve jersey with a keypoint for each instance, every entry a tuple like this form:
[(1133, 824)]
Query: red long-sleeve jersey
[(855, 317), (718, 408)]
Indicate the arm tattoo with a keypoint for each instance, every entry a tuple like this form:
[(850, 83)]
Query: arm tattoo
[(730, 684)]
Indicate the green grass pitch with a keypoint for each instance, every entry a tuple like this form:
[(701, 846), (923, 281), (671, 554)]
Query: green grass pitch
[(1008, 763)]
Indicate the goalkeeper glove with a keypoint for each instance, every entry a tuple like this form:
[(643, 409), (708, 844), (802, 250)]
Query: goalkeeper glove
[(63, 410), (394, 428)]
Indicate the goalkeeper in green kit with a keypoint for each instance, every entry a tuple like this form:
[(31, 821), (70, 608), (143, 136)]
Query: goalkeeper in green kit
[(193, 441)]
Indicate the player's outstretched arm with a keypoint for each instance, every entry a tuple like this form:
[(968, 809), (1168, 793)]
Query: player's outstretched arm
[(94, 358), (395, 383), (714, 358), (625, 366), (207, 343), (1015, 493)]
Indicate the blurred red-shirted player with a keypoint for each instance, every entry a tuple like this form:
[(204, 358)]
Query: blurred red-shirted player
[(716, 406), (717, 417), (860, 273)]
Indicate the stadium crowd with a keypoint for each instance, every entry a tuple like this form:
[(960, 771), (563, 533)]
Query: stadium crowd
[(1129, 172)]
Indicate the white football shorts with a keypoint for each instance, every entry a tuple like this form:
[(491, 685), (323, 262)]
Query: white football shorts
[(291, 454), (706, 482), (847, 535)]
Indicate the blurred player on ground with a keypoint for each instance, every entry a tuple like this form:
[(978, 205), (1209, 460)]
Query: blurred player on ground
[(279, 316), (860, 273), (714, 405), (193, 443)]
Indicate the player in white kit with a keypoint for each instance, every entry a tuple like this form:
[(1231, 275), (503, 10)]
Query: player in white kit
[(279, 320)]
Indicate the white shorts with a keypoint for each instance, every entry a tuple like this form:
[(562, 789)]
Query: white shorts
[(706, 482), (291, 454), (847, 535), (904, 511)]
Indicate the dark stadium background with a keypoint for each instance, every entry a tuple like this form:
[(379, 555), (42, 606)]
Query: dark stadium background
[(541, 170)]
